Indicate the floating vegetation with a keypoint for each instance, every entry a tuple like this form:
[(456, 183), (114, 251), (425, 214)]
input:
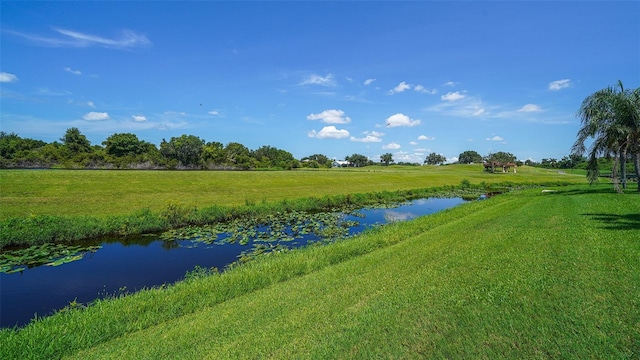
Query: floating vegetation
[(279, 228), (13, 261)]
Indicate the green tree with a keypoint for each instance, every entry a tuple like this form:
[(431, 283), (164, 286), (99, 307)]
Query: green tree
[(357, 160), (435, 159), (611, 116), (317, 160), (469, 157), (123, 144), (213, 154), (186, 149), (238, 155), (386, 158), (75, 142), (268, 156), (499, 158)]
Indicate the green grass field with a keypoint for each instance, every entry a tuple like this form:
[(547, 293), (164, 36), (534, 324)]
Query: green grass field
[(521, 275), (109, 192)]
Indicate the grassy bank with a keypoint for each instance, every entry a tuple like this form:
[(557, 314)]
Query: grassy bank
[(61, 205), (522, 275)]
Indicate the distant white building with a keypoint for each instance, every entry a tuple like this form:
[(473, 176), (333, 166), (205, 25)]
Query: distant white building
[(340, 163)]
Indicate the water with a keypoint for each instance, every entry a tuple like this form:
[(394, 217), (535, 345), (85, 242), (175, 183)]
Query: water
[(146, 262)]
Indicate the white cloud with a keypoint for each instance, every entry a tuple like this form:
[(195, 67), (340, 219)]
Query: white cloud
[(91, 104), (71, 71), (7, 77), (449, 83), (139, 118), (559, 84), (400, 88), (424, 137), (96, 116), (391, 146), (366, 139), (530, 108), (369, 81), (127, 39), (401, 120), (315, 79), (332, 116), (422, 89), (495, 138), (329, 132), (452, 96), (414, 143), (213, 112), (479, 111)]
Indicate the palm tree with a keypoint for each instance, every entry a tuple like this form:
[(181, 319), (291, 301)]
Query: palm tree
[(611, 117)]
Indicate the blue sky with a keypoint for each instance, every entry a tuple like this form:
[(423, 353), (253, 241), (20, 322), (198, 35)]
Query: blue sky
[(335, 78)]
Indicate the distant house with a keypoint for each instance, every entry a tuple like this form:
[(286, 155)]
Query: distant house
[(340, 163)]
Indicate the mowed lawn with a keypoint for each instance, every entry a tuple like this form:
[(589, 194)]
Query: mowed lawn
[(522, 275), (121, 192)]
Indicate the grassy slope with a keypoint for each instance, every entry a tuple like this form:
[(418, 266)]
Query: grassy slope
[(524, 275), (104, 192)]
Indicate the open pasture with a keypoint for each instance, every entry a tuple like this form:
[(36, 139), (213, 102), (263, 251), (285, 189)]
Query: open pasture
[(113, 192)]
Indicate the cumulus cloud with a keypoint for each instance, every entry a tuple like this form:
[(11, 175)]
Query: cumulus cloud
[(139, 118), (452, 96), (315, 79), (391, 146), (495, 138), (369, 81), (401, 120), (71, 71), (329, 132), (424, 137), (71, 38), (400, 88), (332, 116), (6, 77), (530, 108), (559, 84), (96, 116)]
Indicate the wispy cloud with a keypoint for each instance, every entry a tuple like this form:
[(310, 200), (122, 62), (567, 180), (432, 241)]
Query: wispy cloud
[(530, 108), (71, 71), (391, 146), (424, 137), (315, 79), (329, 132), (369, 81), (70, 38), (458, 104), (332, 116), (371, 136), (139, 118), (559, 84), (6, 77), (403, 86), (495, 138), (400, 119), (96, 116)]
